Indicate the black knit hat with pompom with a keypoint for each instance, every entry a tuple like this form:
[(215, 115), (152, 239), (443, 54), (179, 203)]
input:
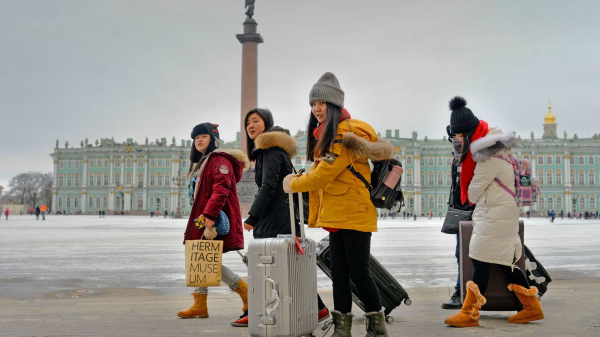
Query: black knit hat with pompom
[(462, 119)]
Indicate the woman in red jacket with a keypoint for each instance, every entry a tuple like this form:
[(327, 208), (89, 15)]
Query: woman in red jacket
[(213, 177)]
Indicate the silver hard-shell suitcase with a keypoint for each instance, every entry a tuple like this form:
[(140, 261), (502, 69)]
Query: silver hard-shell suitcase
[(282, 284)]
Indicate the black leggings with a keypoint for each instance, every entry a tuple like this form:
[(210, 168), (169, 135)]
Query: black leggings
[(481, 275), (349, 252)]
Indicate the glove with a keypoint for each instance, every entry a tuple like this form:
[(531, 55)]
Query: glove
[(287, 182)]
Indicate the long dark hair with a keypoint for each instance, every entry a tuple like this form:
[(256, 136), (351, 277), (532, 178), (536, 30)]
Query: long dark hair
[(316, 149), (267, 118), (466, 145), (196, 156)]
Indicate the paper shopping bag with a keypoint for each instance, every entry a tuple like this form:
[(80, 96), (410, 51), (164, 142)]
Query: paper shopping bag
[(203, 262)]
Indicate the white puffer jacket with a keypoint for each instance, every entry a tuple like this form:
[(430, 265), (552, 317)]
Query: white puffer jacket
[(495, 236)]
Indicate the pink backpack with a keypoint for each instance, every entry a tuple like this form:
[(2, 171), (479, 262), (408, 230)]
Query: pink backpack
[(525, 192)]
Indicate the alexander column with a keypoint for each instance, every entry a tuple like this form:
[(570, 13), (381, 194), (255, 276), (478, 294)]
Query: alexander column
[(249, 40)]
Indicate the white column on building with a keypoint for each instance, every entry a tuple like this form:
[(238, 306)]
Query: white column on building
[(83, 201), (55, 180), (84, 177), (145, 201), (111, 165), (122, 170), (134, 173), (567, 169), (127, 201), (418, 183)]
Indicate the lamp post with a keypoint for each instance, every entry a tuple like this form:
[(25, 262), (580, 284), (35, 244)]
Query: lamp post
[(178, 181), (34, 194)]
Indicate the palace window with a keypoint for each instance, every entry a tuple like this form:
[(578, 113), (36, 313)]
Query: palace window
[(98, 179), (151, 201), (591, 177), (431, 203), (91, 202), (581, 178), (449, 161), (591, 160), (140, 162), (582, 204), (152, 179), (549, 178), (69, 181), (105, 202), (440, 162), (409, 160), (98, 202), (430, 178), (61, 164), (77, 181), (550, 203), (558, 180), (422, 176), (167, 179), (422, 162), (129, 163), (106, 163), (118, 202), (99, 163), (541, 176), (298, 160), (117, 162), (128, 178), (184, 163), (60, 204), (68, 202), (152, 163), (430, 162), (558, 160), (549, 160), (76, 202), (91, 180), (440, 203), (540, 160), (166, 205), (541, 203), (581, 160), (592, 203), (440, 179), (140, 202), (448, 178), (69, 164), (105, 178), (572, 176), (140, 180), (572, 160), (409, 177), (60, 180), (559, 204), (526, 157), (159, 180), (160, 163), (167, 163), (117, 178)]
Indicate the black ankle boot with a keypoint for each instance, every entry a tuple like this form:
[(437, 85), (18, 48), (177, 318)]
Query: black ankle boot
[(454, 302)]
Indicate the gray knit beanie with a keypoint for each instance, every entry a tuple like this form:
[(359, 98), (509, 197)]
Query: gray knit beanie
[(327, 89)]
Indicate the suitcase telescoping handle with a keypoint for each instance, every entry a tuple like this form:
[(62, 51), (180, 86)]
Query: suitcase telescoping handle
[(293, 216)]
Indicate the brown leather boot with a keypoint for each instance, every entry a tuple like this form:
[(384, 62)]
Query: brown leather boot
[(532, 308), (198, 309), (469, 314), (242, 290)]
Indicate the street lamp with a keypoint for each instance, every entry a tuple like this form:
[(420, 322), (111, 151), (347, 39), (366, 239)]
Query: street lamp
[(178, 181), (34, 193)]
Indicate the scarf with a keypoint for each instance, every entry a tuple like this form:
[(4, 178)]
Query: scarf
[(468, 165), (318, 131)]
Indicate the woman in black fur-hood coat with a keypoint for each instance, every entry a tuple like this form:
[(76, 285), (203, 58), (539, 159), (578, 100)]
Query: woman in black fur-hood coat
[(270, 212)]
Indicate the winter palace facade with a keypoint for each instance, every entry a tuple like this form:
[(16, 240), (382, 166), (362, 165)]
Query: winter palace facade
[(138, 178)]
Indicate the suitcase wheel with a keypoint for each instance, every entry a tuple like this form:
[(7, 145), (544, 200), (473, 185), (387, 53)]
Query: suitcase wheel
[(407, 301), (389, 319)]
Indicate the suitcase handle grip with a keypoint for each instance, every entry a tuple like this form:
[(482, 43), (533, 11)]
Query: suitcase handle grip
[(293, 216), (274, 297)]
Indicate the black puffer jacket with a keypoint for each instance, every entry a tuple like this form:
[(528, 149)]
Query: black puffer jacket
[(270, 212)]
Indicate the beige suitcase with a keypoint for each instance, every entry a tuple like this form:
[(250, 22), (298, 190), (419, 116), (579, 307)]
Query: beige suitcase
[(498, 297)]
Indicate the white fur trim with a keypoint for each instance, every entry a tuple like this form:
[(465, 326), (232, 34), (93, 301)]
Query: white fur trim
[(490, 140)]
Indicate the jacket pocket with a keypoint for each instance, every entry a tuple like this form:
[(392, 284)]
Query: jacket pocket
[(335, 202)]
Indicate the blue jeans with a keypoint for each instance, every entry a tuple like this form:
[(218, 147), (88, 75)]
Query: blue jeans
[(457, 254)]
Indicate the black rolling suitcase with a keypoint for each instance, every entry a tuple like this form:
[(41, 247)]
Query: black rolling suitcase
[(536, 274), (390, 291)]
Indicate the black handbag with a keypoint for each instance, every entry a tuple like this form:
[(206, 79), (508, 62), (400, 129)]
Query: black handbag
[(453, 218)]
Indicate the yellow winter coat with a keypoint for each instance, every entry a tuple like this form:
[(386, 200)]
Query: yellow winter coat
[(337, 198)]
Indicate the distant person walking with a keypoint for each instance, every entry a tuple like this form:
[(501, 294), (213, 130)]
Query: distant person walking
[(7, 213), (100, 213), (166, 213), (37, 212), (552, 216), (44, 209)]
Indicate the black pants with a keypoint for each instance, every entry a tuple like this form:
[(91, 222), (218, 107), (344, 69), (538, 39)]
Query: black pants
[(349, 252), (481, 275)]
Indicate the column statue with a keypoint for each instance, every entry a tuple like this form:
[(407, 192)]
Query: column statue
[(249, 8)]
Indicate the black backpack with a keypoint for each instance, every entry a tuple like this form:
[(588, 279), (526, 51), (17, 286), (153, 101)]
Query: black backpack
[(385, 184)]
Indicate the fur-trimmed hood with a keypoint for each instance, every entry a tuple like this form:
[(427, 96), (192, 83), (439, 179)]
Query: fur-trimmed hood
[(278, 139), (237, 158), (362, 148), (494, 143)]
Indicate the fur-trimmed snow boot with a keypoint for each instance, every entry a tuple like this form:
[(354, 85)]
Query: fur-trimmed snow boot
[(198, 309), (242, 290), (532, 308), (342, 324), (469, 314), (375, 322)]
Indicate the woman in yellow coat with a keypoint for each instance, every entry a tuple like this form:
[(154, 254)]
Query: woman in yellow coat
[(340, 203)]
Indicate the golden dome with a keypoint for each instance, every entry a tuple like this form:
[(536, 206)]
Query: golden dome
[(550, 118)]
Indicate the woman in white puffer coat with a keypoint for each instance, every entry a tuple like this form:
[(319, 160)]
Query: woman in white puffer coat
[(495, 238)]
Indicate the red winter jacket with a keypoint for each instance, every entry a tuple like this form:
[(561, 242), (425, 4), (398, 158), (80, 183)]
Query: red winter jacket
[(218, 192)]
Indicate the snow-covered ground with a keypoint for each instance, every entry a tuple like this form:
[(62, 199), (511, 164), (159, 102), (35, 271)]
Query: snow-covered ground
[(76, 252)]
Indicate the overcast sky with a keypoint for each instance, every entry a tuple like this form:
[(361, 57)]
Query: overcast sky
[(137, 69)]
